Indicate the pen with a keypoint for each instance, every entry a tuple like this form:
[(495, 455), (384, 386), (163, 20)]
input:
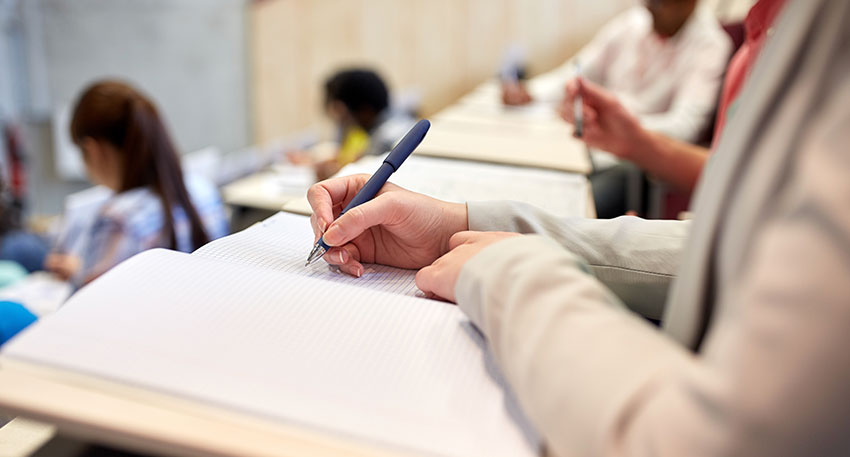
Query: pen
[(577, 102), (509, 74), (394, 159)]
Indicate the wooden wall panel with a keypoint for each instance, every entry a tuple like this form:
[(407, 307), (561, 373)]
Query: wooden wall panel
[(439, 49)]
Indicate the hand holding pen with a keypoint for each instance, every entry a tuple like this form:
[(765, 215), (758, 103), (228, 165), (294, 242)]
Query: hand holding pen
[(605, 123), (397, 227), (578, 113)]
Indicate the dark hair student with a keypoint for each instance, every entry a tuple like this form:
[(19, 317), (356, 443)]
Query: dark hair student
[(363, 92), (116, 113), (149, 202)]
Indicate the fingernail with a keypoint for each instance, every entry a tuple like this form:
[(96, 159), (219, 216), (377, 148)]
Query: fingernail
[(340, 257), (323, 225), (359, 271)]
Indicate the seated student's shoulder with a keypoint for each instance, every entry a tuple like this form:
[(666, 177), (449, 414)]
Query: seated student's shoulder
[(633, 17), (709, 31)]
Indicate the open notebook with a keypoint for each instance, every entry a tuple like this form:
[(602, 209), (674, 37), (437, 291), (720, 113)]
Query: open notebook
[(242, 324)]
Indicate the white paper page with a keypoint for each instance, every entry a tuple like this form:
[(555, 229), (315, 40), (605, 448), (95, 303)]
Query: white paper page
[(560, 193), (402, 371), (42, 292), (282, 243)]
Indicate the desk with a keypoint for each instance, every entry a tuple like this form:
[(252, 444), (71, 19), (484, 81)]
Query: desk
[(257, 196), (265, 190), (560, 193), (480, 128), (131, 417), (181, 427), (477, 128)]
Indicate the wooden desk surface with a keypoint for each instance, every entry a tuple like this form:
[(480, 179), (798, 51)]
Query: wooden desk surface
[(130, 418), (260, 190)]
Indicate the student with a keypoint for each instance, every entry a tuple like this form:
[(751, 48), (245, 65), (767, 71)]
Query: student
[(664, 61), (751, 359), (358, 102), (611, 127), (16, 244), (126, 147)]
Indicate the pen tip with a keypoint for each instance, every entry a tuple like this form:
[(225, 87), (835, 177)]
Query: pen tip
[(315, 254)]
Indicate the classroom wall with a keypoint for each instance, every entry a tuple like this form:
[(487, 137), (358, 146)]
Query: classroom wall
[(438, 49), (188, 55)]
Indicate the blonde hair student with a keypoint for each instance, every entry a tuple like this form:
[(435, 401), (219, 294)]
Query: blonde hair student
[(126, 147)]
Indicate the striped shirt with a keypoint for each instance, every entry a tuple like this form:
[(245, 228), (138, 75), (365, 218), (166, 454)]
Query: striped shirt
[(133, 221)]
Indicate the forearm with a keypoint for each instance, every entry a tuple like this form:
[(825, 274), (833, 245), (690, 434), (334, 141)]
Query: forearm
[(675, 162)]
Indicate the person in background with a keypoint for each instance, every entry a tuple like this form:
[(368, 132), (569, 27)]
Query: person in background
[(358, 102), (664, 62), (16, 244), (127, 148), (21, 253), (610, 126)]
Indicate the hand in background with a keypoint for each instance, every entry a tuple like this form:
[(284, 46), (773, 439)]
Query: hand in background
[(326, 168), (64, 266), (398, 227), (515, 94), (607, 125)]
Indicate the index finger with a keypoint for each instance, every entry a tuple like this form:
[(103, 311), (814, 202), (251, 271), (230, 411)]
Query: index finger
[(327, 198)]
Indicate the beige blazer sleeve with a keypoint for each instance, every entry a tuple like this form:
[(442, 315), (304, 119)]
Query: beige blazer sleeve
[(635, 258), (578, 361), (771, 377)]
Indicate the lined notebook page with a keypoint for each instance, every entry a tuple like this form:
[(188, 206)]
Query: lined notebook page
[(558, 192), (402, 371), (282, 243)]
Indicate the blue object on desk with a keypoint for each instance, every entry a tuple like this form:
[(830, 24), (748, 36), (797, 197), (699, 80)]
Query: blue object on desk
[(13, 318), (394, 159)]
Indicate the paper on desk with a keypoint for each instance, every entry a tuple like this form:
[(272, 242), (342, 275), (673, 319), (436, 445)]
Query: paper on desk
[(41, 292), (282, 243), (403, 371), (534, 114), (520, 144), (560, 193)]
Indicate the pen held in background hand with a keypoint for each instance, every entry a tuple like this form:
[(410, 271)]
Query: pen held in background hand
[(577, 106)]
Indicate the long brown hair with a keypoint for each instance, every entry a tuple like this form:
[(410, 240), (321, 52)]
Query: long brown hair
[(115, 112)]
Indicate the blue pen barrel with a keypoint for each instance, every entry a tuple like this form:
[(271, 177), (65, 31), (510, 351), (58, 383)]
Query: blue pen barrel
[(407, 144), (372, 186), (394, 159)]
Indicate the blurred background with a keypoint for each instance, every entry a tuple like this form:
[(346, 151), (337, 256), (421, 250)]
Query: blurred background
[(237, 75)]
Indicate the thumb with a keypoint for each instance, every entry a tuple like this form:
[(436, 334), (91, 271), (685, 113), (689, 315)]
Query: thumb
[(357, 220)]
